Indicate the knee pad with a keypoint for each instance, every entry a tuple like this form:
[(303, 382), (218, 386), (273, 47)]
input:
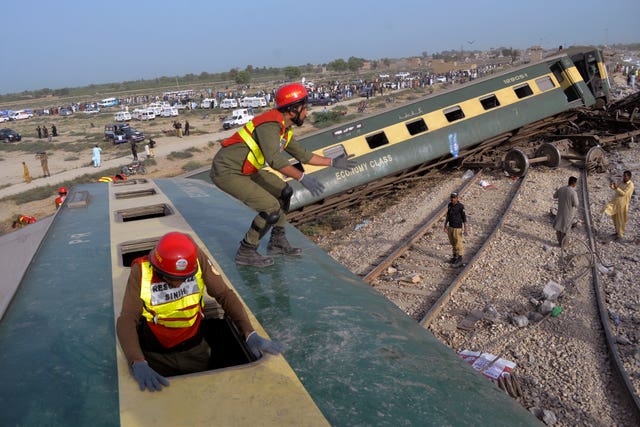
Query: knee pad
[(269, 218), (285, 197)]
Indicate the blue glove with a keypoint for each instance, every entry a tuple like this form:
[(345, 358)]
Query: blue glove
[(257, 345), (147, 377), (313, 185), (342, 162)]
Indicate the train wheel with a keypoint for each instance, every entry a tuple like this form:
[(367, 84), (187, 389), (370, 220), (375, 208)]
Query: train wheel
[(552, 154), (515, 162), (596, 160)]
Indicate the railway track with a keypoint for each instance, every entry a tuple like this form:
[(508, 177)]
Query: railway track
[(562, 362), (401, 282), (566, 364)]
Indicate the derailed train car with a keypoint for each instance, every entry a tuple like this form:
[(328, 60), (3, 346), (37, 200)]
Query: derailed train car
[(449, 122), (352, 357)]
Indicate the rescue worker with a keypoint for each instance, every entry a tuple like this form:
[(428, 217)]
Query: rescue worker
[(237, 169), (23, 220), (62, 195), (159, 327)]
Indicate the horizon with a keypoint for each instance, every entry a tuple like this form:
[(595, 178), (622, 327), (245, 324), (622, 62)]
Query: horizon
[(78, 44)]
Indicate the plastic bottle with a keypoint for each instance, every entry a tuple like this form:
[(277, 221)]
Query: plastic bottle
[(453, 145)]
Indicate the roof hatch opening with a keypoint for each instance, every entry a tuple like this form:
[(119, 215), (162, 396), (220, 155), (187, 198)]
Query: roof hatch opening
[(143, 212)]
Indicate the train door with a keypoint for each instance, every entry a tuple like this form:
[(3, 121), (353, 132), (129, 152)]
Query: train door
[(594, 73)]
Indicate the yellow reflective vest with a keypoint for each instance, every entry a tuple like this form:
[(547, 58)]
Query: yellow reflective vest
[(171, 307), (255, 158)]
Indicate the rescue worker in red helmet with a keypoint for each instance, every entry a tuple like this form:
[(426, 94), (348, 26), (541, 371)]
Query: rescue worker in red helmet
[(237, 169), (159, 327), (62, 195)]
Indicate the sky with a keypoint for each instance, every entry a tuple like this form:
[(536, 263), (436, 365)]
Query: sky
[(70, 43)]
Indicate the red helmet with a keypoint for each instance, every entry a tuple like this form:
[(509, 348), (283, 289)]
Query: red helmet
[(290, 94), (62, 190), (175, 256)]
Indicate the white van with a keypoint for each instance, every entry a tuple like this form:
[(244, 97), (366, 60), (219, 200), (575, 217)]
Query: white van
[(253, 101), (229, 103), (156, 107), (144, 114), (238, 118), (122, 116), (108, 102), (20, 114), (169, 112), (209, 103)]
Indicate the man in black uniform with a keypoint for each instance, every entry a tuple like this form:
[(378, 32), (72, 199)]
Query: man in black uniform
[(456, 219)]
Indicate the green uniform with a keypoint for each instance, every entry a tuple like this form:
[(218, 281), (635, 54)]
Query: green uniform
[(261, 190)]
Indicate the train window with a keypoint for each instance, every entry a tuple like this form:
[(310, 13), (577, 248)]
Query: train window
[(454, 113), (523, 90), (556, 69), (545, 83), (377, 140), (417, 126), (489, 102)]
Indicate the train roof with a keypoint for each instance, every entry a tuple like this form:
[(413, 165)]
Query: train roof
[(352, 357)]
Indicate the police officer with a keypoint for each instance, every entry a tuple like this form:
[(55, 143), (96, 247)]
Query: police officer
[(159, 327), (237, 169), (454, 222)]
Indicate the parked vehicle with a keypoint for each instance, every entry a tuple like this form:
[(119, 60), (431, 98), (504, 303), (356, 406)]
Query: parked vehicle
[(209, 103), (324, 100), (9, 135), (169, 112), (20, 114), (122, 116), (238, 118), (144, 114), (108, 102), (65, 112), (122, 132), (229, 103), (253, 102)]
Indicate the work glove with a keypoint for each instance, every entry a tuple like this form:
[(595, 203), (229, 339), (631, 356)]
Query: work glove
[(147, 377), (257, 345), (342, 162), (313, 185)]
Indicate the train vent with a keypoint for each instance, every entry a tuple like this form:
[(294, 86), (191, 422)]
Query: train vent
[(523, 90), (377, 140), (143, 212), (129, 182), (417, 126), (137, 193), (454, 113), (489, 102)]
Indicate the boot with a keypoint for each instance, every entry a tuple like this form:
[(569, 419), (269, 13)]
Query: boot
[(280, 245), (248, 255)]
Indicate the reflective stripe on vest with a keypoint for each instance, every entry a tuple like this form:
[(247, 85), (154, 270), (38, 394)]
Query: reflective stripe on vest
[(171, 307), (255, 158)]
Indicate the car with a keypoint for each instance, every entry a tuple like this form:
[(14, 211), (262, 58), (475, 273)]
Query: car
[(322, 101), (122, 132), (9, 135), (65, 112)]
